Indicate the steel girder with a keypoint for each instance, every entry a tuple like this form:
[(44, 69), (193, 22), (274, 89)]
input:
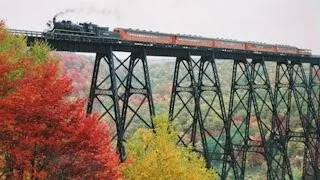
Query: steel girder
[(112, 87)]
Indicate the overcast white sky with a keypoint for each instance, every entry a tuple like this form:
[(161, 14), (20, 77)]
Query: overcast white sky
[(292, 22)]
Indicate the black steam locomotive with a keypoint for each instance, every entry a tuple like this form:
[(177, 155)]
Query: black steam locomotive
[(84, 29)]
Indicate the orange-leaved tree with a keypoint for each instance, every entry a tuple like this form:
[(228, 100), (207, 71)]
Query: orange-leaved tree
[(155, 155), (44, 134)]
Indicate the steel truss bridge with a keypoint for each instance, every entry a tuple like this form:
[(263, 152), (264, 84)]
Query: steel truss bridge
[(196, 88)]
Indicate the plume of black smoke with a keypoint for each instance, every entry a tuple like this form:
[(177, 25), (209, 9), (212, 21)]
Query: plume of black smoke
[(91, 10), (67, 11)]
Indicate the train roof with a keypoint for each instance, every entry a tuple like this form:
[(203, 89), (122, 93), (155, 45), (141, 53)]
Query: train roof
[(199, 37), (285, 46), (145, 32)]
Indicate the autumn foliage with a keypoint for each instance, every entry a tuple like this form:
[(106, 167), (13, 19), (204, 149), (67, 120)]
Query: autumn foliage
[(155, 155), (43, 134)]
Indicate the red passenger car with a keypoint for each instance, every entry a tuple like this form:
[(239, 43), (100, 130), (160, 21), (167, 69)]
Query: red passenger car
[(304, 51), (287, 49), (261, 47), (144, 36), (193, 41), (228, 44)]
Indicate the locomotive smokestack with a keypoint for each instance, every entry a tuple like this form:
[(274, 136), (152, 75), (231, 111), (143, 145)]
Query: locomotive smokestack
[(54, 20)]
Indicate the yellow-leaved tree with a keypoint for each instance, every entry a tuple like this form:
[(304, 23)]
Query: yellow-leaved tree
[(153, 154)]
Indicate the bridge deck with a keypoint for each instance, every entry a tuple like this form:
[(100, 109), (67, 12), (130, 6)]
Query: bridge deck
[(80, 43)]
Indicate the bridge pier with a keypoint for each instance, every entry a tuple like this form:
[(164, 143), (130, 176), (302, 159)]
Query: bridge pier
[(137, 86), (112, 88), (274, 148), (313, 125), (291, 82), (314, 87), (212, 106), (102, 92), (252, 114), (196, 101), (184, 91), (239, 124)]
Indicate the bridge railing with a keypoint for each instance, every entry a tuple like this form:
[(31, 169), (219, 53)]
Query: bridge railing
[(61, 36), (26, 33)]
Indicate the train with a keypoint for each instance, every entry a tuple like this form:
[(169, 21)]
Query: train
[(90, 29)]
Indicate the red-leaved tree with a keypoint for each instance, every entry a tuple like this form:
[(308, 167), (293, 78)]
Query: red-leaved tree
[(43, 134)]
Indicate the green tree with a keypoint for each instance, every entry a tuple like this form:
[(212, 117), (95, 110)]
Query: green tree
[(153, 154), (40, 51)]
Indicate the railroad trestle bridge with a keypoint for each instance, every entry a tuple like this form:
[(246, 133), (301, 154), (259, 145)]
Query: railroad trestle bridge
[(196, 87)]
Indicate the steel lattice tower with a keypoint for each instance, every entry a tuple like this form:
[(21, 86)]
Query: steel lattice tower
[(196, 88), (120, 90), (251, 91), (292, 91)]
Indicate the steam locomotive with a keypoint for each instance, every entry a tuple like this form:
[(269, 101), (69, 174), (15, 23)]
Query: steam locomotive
[(85, 29), (89, 29)]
